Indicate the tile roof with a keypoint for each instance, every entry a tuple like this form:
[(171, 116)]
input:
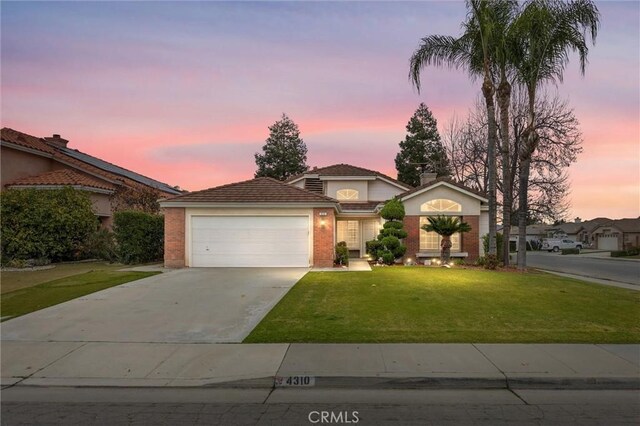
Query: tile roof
[(346, 170), (625, 225), (446, 180), (62, 177), (368, 206), (259, 190), (84, 162)]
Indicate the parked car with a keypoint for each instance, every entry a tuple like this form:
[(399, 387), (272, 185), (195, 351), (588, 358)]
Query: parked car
[(553, 244)]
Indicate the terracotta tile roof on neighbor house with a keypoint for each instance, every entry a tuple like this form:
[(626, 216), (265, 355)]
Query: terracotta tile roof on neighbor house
[(62, 177), (366, 206), (625, 225), (346, 170), (25, 140), (447, 180), (82, 161), (259, 190)]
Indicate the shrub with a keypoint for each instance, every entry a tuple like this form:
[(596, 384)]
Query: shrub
[(393, 210), (571, 251), (491, 261), (101, 245), (388, 246), (139, 236), (50, 224), (342, 254), (633, 251)]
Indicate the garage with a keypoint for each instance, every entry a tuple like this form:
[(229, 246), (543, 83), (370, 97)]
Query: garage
[(250, 241), (608, 242)]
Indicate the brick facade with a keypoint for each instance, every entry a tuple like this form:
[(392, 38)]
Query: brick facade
[(471, 239), (174, 240), (323, 237), (412, 226)]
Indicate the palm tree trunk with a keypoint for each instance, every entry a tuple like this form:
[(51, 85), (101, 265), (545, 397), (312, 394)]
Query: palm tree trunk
[(445, 249), (528, 147), (504, 100), (492, 136)]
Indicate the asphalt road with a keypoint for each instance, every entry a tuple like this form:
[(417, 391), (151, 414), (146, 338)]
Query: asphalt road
[(624, 271), (384, 407)]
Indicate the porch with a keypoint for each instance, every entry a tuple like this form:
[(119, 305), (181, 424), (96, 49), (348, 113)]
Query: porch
[(356, 232)]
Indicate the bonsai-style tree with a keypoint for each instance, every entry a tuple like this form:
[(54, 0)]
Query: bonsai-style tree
[(445, 226), (388, 247)]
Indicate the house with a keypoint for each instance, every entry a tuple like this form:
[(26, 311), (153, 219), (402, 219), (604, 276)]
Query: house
[(48, 163), (265, 222), (580, 230), (620, 234)]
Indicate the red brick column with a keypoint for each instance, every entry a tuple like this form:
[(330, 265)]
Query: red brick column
[(174, 241), (323, 243), (412, 226), (471, 240)]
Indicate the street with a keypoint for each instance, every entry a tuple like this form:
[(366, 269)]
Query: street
[(91, 406), (603, 268)]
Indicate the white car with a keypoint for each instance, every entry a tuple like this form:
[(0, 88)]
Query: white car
[(559, 244)]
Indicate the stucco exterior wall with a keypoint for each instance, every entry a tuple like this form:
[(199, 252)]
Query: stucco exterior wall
[(101, 204), (16, 164), (332, 186), (382, 191), (470, 205)]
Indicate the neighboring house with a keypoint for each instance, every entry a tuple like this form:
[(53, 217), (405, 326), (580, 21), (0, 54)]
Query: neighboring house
[(618, 234), (265, 222), (47, 163), (580, 230), (535, 232)]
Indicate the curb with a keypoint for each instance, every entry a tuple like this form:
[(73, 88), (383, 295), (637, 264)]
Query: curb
[(415, 383)]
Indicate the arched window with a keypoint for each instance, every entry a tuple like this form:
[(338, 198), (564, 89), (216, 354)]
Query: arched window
[(441, 205), (347, 194)]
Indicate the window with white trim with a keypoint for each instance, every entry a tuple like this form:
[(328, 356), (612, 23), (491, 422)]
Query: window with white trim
[(347, 194), (347, 231), (441, 205), (430, 241)]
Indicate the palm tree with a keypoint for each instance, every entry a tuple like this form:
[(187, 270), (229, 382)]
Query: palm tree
[(545, 33), (477, 51), (445, 226)]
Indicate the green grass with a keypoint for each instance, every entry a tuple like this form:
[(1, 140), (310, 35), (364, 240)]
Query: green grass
[(418, 304), (26, 300), (12, 281)]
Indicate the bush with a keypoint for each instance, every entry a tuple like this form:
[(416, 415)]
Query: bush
[(633, 251), (388, 258), (571, 251), (139, 236), (101, 245), (51, 224), (393, 210), (491, 261), (342, 254)]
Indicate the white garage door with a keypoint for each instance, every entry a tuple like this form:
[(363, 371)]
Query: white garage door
[(250, 241), (608, 242)]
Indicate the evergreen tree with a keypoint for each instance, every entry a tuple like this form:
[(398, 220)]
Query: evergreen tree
[(421, 145), (284, 154)]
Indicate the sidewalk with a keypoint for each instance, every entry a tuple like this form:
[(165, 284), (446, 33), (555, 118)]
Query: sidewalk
[(355, 366)]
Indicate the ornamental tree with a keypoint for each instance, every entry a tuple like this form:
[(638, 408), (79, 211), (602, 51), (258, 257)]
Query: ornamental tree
[(388, 246)]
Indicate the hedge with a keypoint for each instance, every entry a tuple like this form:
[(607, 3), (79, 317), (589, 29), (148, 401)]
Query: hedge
[(571, 251), (45, 224), (139, 236)]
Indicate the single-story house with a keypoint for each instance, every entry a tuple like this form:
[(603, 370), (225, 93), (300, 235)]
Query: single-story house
[(265, 222), (47, 163), (620, 234)]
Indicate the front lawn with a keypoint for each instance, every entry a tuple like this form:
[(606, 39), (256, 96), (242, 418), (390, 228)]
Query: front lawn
[(16, 280), (26, 300), (417, 304)]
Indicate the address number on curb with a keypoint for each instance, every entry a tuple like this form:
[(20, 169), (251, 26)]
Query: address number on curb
[(295, 381)]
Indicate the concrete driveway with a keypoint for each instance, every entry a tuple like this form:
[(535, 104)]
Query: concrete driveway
[(193, 305)]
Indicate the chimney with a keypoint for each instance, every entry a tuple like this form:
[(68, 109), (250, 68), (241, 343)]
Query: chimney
[(426, 177), (57, 141)]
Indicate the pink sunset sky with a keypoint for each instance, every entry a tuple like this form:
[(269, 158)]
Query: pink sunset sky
[(184, 92)]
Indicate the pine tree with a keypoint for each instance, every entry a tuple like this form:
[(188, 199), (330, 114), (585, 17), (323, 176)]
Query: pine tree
[(284, 154), (421, 145)]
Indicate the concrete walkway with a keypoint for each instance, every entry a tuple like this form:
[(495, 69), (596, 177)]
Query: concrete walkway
[(374, 366)]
